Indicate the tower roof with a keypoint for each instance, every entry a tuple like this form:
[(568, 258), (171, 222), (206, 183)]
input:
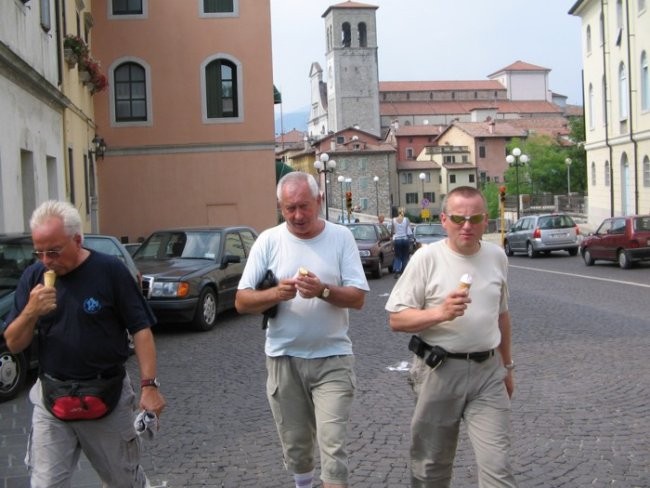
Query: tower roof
[(349, 4)]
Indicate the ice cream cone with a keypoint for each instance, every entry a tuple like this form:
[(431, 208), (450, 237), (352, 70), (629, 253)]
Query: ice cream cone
[(465, 282), (49, 278), (303, 271)]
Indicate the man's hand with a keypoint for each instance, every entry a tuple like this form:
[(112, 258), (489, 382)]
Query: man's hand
[(42, 300), (309, 286), (286, 290), (454, 305), (152, 400)]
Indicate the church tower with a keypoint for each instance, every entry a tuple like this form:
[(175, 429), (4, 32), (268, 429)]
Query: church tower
[(352, 68)]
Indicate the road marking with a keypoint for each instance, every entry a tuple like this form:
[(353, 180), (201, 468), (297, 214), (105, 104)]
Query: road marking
[(632, 283)]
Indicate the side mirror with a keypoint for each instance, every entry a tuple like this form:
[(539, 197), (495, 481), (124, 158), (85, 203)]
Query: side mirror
[(229, 258)]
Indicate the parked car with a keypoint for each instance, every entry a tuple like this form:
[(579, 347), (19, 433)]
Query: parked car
[(132, 247), (16, 255), (375, 247), (428, 233), (542, 233), (191, 275), (625, 240)]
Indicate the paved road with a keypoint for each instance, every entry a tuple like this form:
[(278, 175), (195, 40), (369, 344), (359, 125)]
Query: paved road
[(580, 414)]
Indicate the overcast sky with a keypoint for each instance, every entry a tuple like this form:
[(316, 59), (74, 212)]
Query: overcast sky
[(435, 40)]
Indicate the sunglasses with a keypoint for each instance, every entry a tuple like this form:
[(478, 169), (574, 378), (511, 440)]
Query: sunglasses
[(472, 219), (50, 253)]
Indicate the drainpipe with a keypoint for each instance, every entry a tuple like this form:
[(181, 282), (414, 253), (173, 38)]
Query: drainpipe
[(634, 142), (606, 116)]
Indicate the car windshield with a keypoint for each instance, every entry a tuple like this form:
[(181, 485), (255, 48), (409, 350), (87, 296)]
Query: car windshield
[(14, 258), (555, 222), (180, 244), (363, 232), (430, 230)]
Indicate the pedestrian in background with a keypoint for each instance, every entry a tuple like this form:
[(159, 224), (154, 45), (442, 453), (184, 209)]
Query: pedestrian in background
[(463, 368), (82, 322), (401, 241), (311, 381)]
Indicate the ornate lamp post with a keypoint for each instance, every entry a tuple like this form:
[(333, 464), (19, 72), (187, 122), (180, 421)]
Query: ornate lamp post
[(568, 162), (422, 177), (341, 179), (376, 180), (517, 159), (324, 165)]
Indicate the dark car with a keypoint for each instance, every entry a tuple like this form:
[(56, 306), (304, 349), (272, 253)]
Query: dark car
[(375, 247), (625, 240), (428, 233), (542, 233), (112, 246), (15, 256), (191, 275)]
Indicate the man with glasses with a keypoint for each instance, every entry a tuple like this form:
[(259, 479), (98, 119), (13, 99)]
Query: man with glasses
[(82, 324), (463, 367)]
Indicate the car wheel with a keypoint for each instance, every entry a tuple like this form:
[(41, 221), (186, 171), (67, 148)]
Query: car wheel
[(376, 273), (573, 251), (13, 373), (586, 255), (530, 250), (624, 260), (508, 249), (206, 311)]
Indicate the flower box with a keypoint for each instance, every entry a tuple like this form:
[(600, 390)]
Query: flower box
[(70, 57)]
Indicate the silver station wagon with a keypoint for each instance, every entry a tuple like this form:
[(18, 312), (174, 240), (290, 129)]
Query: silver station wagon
[(536, 234)]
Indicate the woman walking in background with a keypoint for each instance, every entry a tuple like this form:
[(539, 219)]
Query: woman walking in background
[(401, 232)]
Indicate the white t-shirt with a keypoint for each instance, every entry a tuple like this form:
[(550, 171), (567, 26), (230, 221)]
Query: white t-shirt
[(307, 328), (401, 229), (434, 271)]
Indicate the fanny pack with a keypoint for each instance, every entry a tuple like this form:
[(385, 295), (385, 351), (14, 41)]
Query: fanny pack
[(81, 399)]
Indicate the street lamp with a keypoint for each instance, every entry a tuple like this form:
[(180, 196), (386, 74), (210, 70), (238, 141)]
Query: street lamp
[(341, 179), (376, 180), (568, 162), (422, 176), (348, 187), (324, 165), (517, 159)]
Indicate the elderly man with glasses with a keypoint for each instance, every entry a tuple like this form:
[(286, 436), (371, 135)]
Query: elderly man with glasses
[(453, 298), (83, 399)]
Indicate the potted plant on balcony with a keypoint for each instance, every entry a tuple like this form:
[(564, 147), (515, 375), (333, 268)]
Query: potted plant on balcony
[(74, 49), (92, 75)]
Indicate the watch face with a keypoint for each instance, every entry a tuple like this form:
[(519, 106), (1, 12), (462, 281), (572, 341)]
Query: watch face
[(326, 292)]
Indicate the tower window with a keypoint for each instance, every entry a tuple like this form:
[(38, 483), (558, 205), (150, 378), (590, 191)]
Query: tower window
[(346, 36), (363, 35)]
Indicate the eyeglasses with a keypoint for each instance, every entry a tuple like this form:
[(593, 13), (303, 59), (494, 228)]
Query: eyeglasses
[(50, 253), (472, 219)]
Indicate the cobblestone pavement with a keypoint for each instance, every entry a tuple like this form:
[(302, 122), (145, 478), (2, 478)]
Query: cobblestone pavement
[(580, 412)]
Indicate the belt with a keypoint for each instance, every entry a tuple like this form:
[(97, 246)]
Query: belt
[(419, 347)]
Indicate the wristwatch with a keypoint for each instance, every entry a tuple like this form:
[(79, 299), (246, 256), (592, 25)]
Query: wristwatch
[(510, 366), (150, 382), (325, 293)]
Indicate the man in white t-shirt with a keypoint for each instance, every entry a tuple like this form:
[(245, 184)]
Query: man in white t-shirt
[(462, 368), (310, 383)]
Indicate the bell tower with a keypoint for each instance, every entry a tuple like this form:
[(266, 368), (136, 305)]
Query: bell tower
[(352, 68)]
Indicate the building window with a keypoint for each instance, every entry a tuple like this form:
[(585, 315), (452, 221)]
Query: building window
[(46, 22), (407, 178), (588, 39), (601, 29), (219, 7), (449, 159), (430, 195), (619, 22), (593, 174), (606, 173), (603, 99), (622, 92), (645, 83), (452, 178), (640, 5), (481, 151), (363, 203), (340, 139), (409, 153), (130, 88), (412, 198), (590, 106), (127, 7), (363, 35), (221, 91), (471, 178), (646, 172), (346, 36)]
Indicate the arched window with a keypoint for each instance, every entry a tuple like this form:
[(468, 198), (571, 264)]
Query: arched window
[(221, 91), (622, 92), (606, 173), (346, 35), (588, 40), (590, 107), (645, 83), (601, 30), (363, 35), (646, 172), (593, 174), (130, 88)]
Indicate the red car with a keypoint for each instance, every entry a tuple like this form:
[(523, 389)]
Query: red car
[(625, 240)]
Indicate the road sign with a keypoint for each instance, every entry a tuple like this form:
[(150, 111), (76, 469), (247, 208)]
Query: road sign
[(425, 203)]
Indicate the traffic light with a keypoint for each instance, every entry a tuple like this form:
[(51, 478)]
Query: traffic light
[(348, 200), (502, 194)]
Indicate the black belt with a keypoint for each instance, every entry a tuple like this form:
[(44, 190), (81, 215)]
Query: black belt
[(102, 375), (420, 348)]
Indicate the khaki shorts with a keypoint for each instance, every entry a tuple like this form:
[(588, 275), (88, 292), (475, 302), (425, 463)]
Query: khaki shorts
[(311, 400)]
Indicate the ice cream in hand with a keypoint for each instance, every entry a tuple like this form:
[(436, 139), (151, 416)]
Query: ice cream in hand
[(303, 271), (465, 282), (49, 278)]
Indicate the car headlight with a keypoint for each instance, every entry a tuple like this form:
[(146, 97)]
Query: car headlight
[(364, 253), (165, 289)]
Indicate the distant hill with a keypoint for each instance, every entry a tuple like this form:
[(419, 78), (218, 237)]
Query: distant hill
[(293, 120)]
